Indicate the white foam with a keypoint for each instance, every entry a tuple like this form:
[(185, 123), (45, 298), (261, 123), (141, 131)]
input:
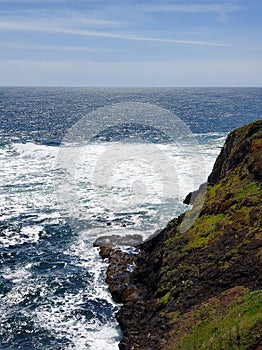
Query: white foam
[(113, 179), (18, 274), (106, 338), (82, 333), (31, 151), (28, 234), (26, 181), (59, 314), (28, 195)]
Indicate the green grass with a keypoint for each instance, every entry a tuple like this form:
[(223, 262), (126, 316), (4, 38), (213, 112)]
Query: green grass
[(220, 327), (212, 190), (250, 189), (165, 298), (204, 230)]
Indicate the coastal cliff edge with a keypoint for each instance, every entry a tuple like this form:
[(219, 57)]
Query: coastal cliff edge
[(200, 289)]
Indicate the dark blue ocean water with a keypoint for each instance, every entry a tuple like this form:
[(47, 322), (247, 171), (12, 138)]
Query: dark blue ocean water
[(44, 114), (57, 198)]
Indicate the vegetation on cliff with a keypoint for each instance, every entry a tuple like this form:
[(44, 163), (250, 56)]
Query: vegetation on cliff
[(201, 289)]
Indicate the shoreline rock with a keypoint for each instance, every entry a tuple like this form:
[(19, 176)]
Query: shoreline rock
[(118, 277), (118, 240)]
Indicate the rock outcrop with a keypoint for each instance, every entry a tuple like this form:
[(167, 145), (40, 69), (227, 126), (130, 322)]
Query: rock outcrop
[(200, 289)]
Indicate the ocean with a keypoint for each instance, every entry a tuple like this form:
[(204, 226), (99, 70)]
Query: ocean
[(81, 163)]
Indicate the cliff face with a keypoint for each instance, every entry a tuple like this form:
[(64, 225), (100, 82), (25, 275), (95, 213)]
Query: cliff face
[(201, 289)]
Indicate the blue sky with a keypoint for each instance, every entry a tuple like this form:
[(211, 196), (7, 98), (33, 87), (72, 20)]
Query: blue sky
[(130, 43)]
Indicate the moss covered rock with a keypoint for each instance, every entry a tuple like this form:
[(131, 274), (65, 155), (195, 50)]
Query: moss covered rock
[(201, 289)]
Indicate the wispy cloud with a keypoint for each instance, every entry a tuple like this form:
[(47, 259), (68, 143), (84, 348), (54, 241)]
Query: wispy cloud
[(37, 27), (56, 17), (205, 8), (180, 37), (26, 46), (103, 24), (29, 1)]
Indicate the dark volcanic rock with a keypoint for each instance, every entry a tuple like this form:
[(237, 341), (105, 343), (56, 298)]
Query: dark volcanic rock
[(121, 264), (184, 281), (188, 198), (193, 195), (236, 151)]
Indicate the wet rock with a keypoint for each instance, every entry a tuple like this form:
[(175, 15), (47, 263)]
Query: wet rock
[(118, 276), (117, 240), (192, 195)]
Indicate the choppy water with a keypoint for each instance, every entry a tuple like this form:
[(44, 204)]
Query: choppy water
[(52, 287)]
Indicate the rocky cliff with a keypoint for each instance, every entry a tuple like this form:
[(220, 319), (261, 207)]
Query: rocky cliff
[(200, 289)]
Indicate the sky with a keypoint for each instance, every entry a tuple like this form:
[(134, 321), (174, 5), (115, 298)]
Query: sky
[(131, 43)]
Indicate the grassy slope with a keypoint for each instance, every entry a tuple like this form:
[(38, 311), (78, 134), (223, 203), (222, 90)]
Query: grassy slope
[(210, 276)]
